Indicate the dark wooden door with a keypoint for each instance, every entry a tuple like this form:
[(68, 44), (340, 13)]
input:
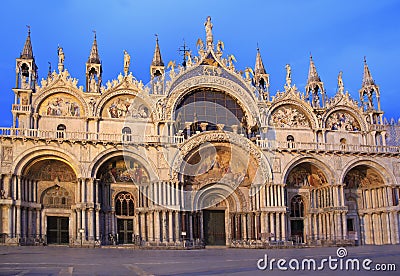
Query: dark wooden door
[(214, 227), (125, 230), (57, 230)]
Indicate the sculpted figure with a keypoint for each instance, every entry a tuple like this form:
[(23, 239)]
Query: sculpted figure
[(288, 75), (340, 82), (127, 62), (60, 55), (208, 26)]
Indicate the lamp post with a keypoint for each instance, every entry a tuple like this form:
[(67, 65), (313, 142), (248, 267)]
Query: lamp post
[(81, 231)]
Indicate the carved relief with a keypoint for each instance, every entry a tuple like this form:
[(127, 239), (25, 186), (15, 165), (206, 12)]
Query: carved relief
[(342, 121), (120, 170), (126, 106), (362, 176), (276, 165), (61, 104), (57, 197), (306, 175), (7, 154), (289, 116)]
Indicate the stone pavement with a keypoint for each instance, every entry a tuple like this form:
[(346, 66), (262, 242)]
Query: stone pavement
[(57, 260)]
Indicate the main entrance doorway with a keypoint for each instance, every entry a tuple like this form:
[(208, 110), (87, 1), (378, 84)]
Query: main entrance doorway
[(214, 227), (297, 230), (57, 230), (125, 230)]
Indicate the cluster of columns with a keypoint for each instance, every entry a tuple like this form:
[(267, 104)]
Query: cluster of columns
[(86, 213), (327, 217), (379, 222), (20, 211)]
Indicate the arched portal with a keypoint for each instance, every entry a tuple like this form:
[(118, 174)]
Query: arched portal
[(309, 197), (55, 183), (368, 200)]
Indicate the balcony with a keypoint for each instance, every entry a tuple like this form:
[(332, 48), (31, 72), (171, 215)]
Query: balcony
[(89, 136), (324, 147), (21, 108)]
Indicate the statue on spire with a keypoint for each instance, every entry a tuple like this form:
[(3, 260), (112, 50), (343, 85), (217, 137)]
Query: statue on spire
[(209, 36), (127, 62), (61, 58), (288, 75), (340, 82)]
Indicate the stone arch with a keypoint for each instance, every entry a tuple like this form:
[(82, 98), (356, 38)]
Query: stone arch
[(205, 197), (354, 113), (243, 96), (329, 174), (53, 91), (103, 157), (38, 153), (129, 92), (302, 107), (386, 174)]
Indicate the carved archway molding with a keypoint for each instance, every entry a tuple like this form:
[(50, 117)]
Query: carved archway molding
[(244, 98), (113, 93), (55, 90), (386, 174), (329, 174), (356, 115), (36, 154), (221, 136), (234, 197), (104, 156), (301, 105)]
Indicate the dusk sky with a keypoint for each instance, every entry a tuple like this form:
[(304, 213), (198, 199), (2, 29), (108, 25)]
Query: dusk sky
[(337, 33)]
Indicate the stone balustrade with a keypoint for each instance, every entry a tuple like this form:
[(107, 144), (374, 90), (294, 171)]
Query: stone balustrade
[(89, 136), (325, 147)]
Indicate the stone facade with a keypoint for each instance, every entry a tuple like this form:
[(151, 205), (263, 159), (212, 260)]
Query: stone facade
[(202, 155)]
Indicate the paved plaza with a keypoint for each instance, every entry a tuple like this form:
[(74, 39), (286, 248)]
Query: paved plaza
[(57, 260)]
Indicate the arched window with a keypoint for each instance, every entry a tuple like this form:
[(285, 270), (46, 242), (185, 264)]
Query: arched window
[(297, 207), (126, 134), (209, 109), (61, 131), (343, 143), (290, 140), (124, 204)]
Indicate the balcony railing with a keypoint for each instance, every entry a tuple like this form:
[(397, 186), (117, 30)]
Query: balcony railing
[(325, 147), (158, 139), (89, 136), (20, 107)]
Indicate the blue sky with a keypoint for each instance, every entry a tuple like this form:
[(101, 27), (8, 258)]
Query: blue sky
[(337, 33)]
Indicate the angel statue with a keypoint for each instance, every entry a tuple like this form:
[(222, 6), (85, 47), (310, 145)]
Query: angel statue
[(231, 58), (220, 46), (247, 72), (209, 37), (127, 62)]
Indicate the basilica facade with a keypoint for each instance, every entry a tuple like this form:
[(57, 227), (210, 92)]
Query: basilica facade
[(202, 155)]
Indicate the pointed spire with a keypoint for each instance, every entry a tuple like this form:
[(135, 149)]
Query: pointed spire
[(259, 67), (367, 77), (94, 53), (27, 52), (157, 60), (312, 72)]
